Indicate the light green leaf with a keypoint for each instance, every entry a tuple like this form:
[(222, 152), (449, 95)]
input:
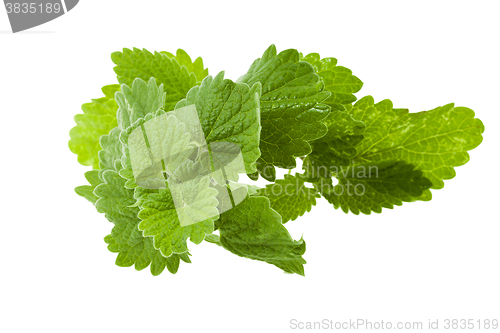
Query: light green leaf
[(87, 191), (195, 67), (253, 230), (341, 126), (126, 170), (111, 153), (169, 139), (212, 238), (195, 200), (289, 197), (338, 80), (291, 108), (229, 112), (159, 220), (137, 104), (138, 100), (116, 202), (98, 118), (134, 249), (370, 187), (188, 170), (337, 147), (433, 141), (165, 139), (136, 63)]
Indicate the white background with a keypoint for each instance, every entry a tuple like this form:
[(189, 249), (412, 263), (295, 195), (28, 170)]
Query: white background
[(424, 260)]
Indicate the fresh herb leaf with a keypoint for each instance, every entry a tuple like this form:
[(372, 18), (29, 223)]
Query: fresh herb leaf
[(338, 80), (117, 203), (195, 67), (98, 118), (291, 108), (87, 191), (254, 230), (137, 104), (159, 220), (286, 106), (338, 146), (290, 197), (368, 188), (433, 141), (138, 100), (111, 154), (229, 112), (136, 63)]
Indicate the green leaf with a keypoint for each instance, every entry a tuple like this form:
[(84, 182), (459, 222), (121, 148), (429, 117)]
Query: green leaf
[(133, 249), (319, 163), (138, 100), (291, 108), (370, 187), (111, 153), (322, 161), (198, 198), (337, 147), (195, 67), (253, 230), (166, 139), (289, 197), (229, 112), (98, 118), (433, 141), (125, 238), (338, 80), (212, 238), (87, 191), (137, 104), (116, 202), (341, 126), (159, 220), (136, 63)]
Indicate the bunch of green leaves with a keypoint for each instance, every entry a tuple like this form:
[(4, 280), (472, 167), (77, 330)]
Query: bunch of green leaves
[(361, 156)]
